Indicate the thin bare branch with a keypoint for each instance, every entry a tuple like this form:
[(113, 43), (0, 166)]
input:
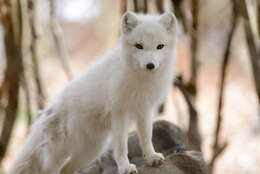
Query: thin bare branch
[(3, 90), (34, 55), (140, 6), (58, 41), (27, 97), (145, 7), (217, 147), (159, 5), (253, 43), (194, 41), (180, 13), (193, 135), (189, 90), (135, 6), (123, 7)]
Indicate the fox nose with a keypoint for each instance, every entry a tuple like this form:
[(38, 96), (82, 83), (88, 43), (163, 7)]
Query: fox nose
[(150, 66)]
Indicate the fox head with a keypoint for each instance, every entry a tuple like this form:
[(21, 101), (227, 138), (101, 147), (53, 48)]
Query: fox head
[(148, 40)]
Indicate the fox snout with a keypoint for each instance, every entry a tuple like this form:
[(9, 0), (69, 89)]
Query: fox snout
[(150, 66)]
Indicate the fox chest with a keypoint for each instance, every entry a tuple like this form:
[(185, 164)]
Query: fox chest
[(138, 96)]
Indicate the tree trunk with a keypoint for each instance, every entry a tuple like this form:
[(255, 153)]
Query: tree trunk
[(12, 43)]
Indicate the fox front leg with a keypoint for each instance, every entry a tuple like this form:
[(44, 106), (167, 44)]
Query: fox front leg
[(120, 125), (145, 128)]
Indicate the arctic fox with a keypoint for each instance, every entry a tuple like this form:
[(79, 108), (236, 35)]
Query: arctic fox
[(96, 109)]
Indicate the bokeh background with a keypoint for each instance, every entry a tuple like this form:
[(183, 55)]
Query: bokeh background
[(44, 44)]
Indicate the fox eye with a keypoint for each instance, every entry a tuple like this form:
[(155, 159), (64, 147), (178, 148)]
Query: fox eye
[(160, 46), (139, 46)]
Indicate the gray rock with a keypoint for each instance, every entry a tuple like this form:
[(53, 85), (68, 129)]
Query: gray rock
[(190, 162), (167, 139)]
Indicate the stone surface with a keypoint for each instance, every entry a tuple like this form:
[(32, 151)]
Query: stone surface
[(167, 139), (189, 162)]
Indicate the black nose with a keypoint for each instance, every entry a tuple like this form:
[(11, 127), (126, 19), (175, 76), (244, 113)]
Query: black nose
[(150, 66)]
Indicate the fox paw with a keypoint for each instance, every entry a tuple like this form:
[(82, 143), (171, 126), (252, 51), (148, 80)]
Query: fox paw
[(131, 169), (154, 159)]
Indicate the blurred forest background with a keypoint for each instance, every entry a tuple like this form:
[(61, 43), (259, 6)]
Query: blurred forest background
[(216, 93)]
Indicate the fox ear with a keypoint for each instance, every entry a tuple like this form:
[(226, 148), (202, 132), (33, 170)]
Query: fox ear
[(169, 21), (129, 22)]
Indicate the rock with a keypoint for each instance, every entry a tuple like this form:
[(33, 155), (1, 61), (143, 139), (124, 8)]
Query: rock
[(189, 162), (167, 139)]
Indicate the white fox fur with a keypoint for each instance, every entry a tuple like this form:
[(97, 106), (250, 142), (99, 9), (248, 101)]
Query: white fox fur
[(99, 106)]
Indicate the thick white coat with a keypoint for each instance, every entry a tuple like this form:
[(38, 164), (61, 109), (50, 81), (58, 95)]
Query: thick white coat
[(100, 105)]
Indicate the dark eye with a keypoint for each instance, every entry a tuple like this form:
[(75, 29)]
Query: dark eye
[(139, 46), (160, 46)]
